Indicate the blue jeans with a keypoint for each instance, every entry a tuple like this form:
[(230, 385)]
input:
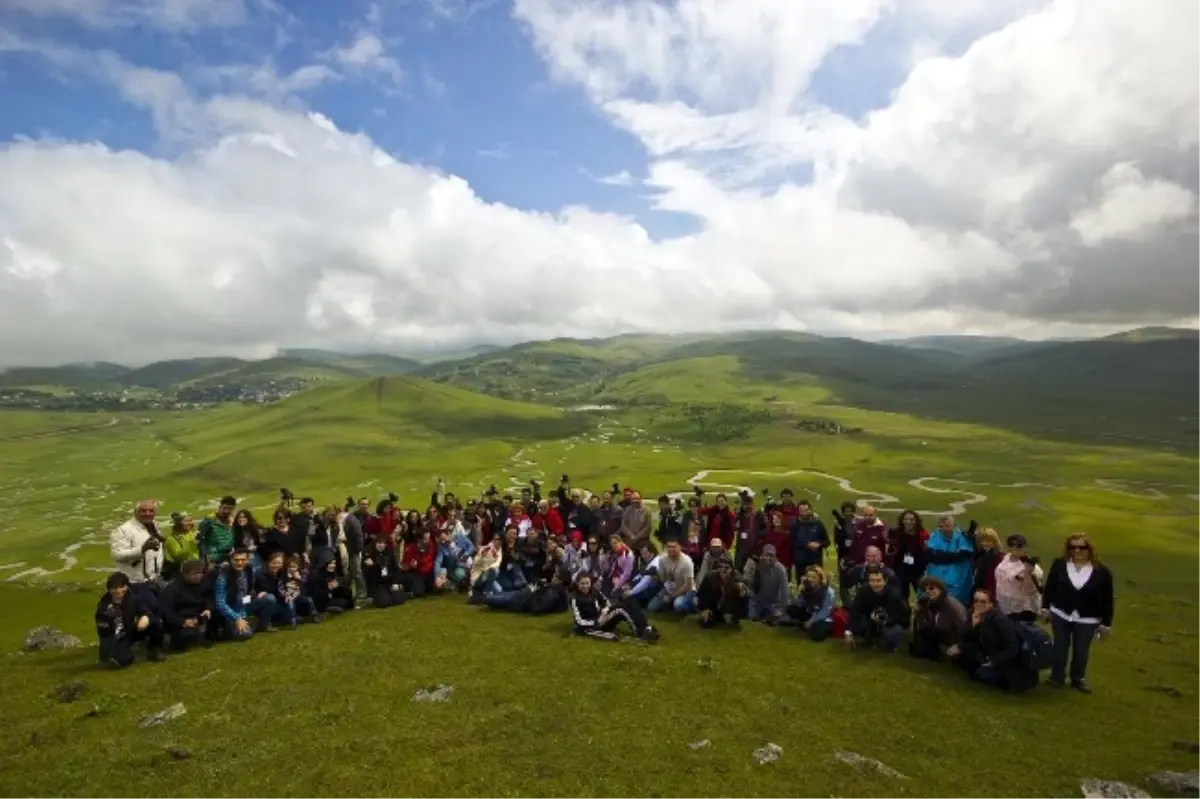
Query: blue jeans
[(488, 583), (680, 604), (302, 606), (762, 610), (989, 675), (512, 580), (263, 609), (506, 600)]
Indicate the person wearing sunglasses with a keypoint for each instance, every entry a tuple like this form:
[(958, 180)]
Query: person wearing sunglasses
[(1078, 600)]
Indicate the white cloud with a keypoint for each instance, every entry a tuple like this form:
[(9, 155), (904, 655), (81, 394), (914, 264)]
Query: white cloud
[(1043, 181), (174, 15), (367, 53)]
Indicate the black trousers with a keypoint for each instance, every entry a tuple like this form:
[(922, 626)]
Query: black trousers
[(384, 597), (118, 650), (184, 638), (417, 584)]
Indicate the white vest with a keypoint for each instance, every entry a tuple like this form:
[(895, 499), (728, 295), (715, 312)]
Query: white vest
[(125, 544)]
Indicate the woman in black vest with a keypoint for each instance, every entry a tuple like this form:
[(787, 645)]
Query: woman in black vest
[(1079, 603)]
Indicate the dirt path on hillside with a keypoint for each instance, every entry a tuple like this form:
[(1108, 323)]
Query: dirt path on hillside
[(62, 431)]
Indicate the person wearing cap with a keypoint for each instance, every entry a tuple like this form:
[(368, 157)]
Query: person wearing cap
[(721, 599), (939, 623), (716, 551), (768, 588), (1019, 581), (181, 545), (184, 608)]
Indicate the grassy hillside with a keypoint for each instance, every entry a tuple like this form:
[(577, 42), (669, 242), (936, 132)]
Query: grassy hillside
[(79, 377), (62, 494)]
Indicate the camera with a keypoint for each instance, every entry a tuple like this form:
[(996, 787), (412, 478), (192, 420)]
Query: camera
[(566, 479), (1030, 560), (393, 498), (286, 497)]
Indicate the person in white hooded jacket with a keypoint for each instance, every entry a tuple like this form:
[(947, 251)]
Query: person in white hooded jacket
[(137, 551)]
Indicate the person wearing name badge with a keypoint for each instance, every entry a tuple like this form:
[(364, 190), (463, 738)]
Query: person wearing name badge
[(907, 543), (233, 595)]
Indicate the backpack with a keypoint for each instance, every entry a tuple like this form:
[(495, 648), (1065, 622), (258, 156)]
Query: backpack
[(1037, 649)]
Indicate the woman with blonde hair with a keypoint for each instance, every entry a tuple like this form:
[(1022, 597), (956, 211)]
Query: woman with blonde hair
[(812, 609), (1079, 602), (988, 555)]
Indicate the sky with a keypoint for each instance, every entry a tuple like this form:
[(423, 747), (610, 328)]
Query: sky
[(195, 177)]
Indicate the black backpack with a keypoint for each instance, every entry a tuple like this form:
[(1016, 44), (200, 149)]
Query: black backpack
[(1037, 649)]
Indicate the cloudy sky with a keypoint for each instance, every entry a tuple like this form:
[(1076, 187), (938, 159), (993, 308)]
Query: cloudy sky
[(189, 177)]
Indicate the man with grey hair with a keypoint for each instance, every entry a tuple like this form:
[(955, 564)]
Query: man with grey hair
[(137, 551)]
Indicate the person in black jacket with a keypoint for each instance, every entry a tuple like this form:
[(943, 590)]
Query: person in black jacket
[(122, 620), (879, 614), (272, 580), (544, 598), (184, 607), (595, 617), (722, 597), (329, 591), (670, 521), (843, 538), (909, 559), (809, 539), (991, 649), (1078, 599), (382, 573)]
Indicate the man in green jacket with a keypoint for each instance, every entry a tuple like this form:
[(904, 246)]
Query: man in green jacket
[(216, 533)]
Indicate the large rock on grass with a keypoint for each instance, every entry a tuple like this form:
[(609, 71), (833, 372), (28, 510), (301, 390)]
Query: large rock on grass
[(1110, 789), (1179, 783), (47, 639)]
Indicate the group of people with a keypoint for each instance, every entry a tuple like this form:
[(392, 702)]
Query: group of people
[(957, 595)]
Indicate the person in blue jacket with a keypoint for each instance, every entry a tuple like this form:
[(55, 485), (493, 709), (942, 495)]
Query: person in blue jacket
[(951, 554)]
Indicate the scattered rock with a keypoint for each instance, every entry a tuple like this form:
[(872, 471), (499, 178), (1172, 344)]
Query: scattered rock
[(92, 712), (440, 693), (1186, 783), (163, 716), (1169, 690), (1192, 747), (706, 663), (47, 638), (700, 744), (767, 754), (70, 691), (179, 752), (210, 675), (867, 764), (1109, 789)]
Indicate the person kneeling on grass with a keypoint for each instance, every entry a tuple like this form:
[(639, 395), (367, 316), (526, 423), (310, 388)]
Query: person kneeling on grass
[(722, 597), (812, 609), (123, 620), (455, 550), (330, 591), (991, 650), (184, 607), (236, 600), (383, 574), (939, 623), (596, 617), (485, 570), (271, 581), (417, 575), (768, 583), (543, 598), (295, 591), (879, 614)]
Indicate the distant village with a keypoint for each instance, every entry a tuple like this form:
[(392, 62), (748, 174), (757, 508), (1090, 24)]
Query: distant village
[(140, 399)]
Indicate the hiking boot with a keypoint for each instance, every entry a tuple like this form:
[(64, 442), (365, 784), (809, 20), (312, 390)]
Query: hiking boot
[(156, 655), (1054, 682), (335, 610), (1081, 686), (650, 635)]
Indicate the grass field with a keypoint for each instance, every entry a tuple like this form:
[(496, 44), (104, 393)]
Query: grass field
[(327, 710)]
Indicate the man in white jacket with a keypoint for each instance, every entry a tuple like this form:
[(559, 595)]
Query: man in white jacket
[(136, 548)]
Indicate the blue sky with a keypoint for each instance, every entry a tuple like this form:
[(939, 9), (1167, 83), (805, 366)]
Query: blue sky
[(475, 99)]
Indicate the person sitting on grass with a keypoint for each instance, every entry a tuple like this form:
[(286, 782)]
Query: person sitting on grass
[(619, 566), (940, 621), (295, 591), (328, 589), (812, 609), (417, 575), (122, 620), (715, 552), (721, 599), (991, 650), (589, 560), (485, 569), (543, 598), (531, 555), (675, 570), (236, 600), (271, 581), (382, 573), (768, 580), (180, 546), (455, 550), (184, 607), (858, 575), (596, 617), (879, 616)]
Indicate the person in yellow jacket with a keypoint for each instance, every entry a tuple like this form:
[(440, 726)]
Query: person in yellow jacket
[(181, 545)]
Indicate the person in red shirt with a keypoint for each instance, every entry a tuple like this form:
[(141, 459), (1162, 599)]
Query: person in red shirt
[(779, 535), (416, 565), (548, 521), (719, 518)]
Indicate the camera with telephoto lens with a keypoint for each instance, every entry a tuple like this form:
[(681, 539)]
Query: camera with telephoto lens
[(393, 497), (1030, 560)]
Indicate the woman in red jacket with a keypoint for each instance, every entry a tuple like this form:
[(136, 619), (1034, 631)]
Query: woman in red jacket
[(548, 521), (720, 520), (416, 566), (779, 535)]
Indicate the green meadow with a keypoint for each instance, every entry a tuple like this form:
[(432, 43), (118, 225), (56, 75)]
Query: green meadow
[(327, 709)]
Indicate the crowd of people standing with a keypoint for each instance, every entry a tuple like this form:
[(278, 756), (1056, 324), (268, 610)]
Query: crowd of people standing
[(615, 562)]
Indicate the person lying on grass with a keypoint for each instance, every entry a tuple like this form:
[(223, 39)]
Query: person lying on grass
[(596, 617), (542, 598)]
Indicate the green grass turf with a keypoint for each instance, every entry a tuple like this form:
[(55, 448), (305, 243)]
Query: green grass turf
[(327, 709)]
